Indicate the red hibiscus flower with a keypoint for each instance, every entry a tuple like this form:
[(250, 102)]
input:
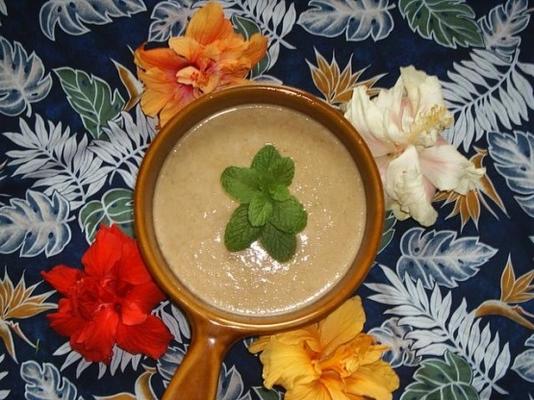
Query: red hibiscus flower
[(109, 302)]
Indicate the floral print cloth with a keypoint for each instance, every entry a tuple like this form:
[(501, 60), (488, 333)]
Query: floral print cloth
[(454, 302)]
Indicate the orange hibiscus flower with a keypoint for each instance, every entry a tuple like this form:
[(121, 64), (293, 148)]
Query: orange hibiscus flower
[(209, 57), (330, 360)]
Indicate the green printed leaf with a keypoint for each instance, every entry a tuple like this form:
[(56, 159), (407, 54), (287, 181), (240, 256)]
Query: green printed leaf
[(265, 394), (289, 216), (265, 158), (260, 210), (91, 98), (389, 231), (239, 233), (115, 207), (241, 183), (280, 245), (448, 22), (436, 379), (283, 171)]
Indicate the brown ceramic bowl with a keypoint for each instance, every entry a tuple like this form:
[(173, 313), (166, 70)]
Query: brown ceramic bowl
[(214, 330)]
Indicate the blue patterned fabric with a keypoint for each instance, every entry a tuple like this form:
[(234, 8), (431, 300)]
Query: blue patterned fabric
[(457, 296)]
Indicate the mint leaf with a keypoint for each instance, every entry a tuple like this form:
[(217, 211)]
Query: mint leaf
[(289, 216), (280, 245), (239, 233), (260, 210), (241, 183), (267, 210), (282, 171), (265, 158), (279, 192)]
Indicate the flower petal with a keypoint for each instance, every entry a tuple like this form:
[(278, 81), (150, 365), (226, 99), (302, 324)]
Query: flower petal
[(138, 303), (62, 278), (343, 325), (96, 338), (286, 365), (447, 169), (256, 49), (368, 119), (375, 381), (424, 91), (160, 58), (66, 320), (321, 389), (101, 257), (131, 267), (308, 336), (208, 24), (151, 337), (188, 48), (405, 187), (179, 101)]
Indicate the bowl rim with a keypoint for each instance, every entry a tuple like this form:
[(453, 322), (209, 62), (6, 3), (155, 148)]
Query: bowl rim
[(202, 108)]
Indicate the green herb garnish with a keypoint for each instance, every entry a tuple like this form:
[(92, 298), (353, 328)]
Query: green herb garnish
[(268, 211)]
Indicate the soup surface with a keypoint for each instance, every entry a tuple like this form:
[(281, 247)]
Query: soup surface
[(191, 210)]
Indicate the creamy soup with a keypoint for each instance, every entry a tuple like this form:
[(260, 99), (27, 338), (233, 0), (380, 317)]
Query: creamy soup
[(191, 210)]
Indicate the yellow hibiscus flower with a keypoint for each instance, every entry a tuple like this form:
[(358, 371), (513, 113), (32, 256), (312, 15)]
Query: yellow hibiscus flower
[(329, 360)]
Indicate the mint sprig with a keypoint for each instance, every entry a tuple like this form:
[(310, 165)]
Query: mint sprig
[(267, 210)]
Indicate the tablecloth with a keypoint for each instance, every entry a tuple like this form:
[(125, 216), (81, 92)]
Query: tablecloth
[(453, 301)]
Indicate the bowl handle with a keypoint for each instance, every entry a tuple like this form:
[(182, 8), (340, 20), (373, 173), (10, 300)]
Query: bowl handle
[(197, 376)]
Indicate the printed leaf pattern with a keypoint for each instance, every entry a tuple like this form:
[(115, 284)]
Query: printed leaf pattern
[(513, 292), (359, 19), (524, 362), (22, 79), (126, 145), (175, 320), (469, 206), (449, 23), (389, 231), (57, 160), (18, 302), (336, 85), (43, 382), (3, 393), (115, 208), (35, 225), (133, 86), (169, 19), (265, 394), (3, 8), (73, 15), (143, 389), (395, 336), (438, 329), (57, 185), (91, 98), (440, 257), (488, 90), (448, 379), (514, 160), (502, 26), (120, 360), (2, 166), (168, 363)]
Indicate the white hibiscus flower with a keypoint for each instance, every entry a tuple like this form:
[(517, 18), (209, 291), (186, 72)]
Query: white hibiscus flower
[(402, 127)]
